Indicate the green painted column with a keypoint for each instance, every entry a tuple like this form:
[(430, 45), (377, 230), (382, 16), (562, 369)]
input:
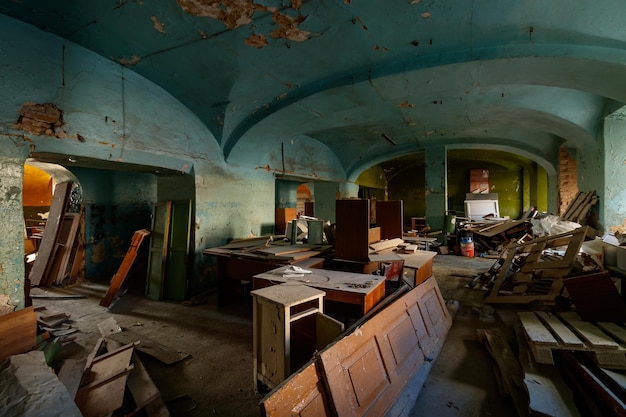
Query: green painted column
[(12, 225), (325, 197), (613, 197), (436, 186)]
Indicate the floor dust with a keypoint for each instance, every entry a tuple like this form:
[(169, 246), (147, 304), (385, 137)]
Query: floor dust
[(216, 379)]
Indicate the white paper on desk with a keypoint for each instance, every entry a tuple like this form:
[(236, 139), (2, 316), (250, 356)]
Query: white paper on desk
[(293, 269)]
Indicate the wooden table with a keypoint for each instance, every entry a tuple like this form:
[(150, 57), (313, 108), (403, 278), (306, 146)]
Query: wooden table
[(362, 290), (418, 266), (235, 267)]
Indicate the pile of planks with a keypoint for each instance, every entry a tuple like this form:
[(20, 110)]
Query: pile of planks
[(54, 332), (587, 356), (580, 206), (533, 271), (491, 236), (62, 247)]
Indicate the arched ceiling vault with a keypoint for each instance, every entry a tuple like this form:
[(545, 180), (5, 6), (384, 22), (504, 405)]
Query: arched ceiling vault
[(368, 81)]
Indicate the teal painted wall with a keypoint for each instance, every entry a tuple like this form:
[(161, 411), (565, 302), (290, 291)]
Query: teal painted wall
[(613, 199), (116, 205)]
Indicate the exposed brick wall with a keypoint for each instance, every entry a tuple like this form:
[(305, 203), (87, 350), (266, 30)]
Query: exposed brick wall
[(568, 184)]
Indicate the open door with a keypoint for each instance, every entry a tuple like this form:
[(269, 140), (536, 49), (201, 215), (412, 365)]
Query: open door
[(178, 251), (170, 243), (157, 257)]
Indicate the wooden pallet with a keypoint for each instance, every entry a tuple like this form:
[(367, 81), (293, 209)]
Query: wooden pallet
[(547, 332), (533, 276)]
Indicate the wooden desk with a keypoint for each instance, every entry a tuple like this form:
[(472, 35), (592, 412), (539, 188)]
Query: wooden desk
[(418, 266), (363, 290), (235, 266)]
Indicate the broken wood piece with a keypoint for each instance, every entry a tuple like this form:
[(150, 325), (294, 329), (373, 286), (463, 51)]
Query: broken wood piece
[(18, 332), (386, 244), (145, 394), (122, 272), (548, 394), (50, 233), (102, 387), (512, 376)]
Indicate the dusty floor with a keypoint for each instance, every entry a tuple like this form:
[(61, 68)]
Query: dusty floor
[(217, 378)]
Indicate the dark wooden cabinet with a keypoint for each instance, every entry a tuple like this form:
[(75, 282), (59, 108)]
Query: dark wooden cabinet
[(354, 226)]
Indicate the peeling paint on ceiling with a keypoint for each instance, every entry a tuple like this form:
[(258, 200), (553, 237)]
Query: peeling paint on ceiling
[(238, 13)]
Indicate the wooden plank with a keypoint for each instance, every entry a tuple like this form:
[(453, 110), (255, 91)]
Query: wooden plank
[(64, 245), (510, 369), (561, 330), (592, 334), (302, 394), (104, 382), (18, 332), (122, 272), (548, 394), (615, 330), (50, 233), (535, 330)]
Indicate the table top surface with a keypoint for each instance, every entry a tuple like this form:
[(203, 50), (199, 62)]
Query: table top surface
[(417, 259), (289, 295), (325, 279)]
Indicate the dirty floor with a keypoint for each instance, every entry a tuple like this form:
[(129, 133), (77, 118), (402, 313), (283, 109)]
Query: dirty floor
[(216, 379)]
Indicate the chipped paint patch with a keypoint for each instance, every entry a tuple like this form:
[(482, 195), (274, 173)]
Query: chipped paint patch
[(237, 13), (41, 119), (289, 27), (257, 41), (129, 62), (233, 13), (406, 104), (157, 24)]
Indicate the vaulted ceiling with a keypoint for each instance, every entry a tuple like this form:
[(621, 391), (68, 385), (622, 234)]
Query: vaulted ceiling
[(372, 80)]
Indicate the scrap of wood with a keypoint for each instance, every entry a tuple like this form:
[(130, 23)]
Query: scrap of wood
[(122, 272), (386, 244), (18, 332), (510, 369), (50, 233), (146, 395), (548, 394), (102, 387)]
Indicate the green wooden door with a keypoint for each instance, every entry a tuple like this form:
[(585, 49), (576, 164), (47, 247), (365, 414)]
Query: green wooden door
[(178, 251), (157, 257)]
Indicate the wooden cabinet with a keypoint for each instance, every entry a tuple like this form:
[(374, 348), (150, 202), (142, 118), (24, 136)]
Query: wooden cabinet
[(282, 217), (277, 312), (354, 228)]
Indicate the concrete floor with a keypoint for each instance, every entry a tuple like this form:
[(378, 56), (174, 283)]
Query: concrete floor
[(216, 379)]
